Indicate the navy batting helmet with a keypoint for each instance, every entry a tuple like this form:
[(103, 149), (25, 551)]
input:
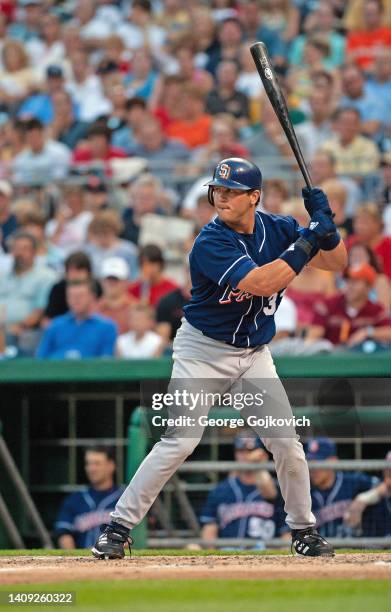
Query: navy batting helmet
[(235, 173)]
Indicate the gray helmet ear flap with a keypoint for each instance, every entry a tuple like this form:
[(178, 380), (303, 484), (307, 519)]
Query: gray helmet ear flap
[(210, 195)]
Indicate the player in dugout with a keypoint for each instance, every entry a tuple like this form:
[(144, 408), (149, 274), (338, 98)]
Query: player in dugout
[(240, 265), (246, 504)]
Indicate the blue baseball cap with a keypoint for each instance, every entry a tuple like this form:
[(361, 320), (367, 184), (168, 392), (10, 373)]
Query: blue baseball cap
[(320, 448), (247, 441)]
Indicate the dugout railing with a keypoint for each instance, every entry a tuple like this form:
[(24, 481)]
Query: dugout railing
[(52, 410), (141, 439)]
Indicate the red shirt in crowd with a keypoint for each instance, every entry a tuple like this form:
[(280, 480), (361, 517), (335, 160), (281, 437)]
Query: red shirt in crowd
[(362, 45), (151, 293), (82, 154), (382, 251), (341, 321)]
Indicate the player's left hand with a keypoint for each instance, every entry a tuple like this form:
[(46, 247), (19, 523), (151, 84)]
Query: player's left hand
[(322, 224), (315, 200)]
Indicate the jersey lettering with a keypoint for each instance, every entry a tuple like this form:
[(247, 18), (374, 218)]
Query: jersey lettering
[(238, 295)]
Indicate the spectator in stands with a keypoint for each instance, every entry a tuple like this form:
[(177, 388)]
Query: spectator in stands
[(152, 285), (246, 503), (140, 342), (360, 254), (97, 195), (28, 26), (68, 228), (371, 510), (323, 166), (40, 104), (103, 241), (349, 318), (115, 302), (268, 140), (79, 333), (81, 513), (97, 151), (185, 57), (49, 50), (225, 97), (43, 160), (140, 30), (65, 127), (48, 254), (223, 143), (320, 21), (333, 491), (8, 221), (146, 196), (135, 116), (354, 154), (362, 44), (86, 89), (378, 83), (368, 230), (250, 20), (248, 82), (274, 194), (152, 144), (317, 129), (17, 77), (141, 81), (384, 190), (373, 109), (337, 196), (24, 291), (282, 19), (229, 38), (12, 143), (116, 93), (169, 309), (77, 271), (193, 125), (203, 213)]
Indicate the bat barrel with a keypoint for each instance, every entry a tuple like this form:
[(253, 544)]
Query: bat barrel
[(265, 70)]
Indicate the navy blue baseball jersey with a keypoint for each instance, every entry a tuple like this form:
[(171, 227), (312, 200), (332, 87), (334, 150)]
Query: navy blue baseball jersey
[(219, 260), (330, 505), (83, 512), (376, 520), (240, 511)]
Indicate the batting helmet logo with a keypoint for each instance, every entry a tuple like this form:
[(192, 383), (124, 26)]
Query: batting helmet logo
[(224, 171)]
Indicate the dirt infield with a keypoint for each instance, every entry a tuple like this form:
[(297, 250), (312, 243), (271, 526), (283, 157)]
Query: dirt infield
[(26, 569)]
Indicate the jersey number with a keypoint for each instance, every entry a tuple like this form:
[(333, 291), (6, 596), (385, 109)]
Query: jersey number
[(271, 308), (261, 528)]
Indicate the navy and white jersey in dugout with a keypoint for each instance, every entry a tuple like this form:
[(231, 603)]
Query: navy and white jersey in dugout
[(219, 260)]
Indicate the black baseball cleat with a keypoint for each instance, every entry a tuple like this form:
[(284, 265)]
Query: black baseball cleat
[(111, 542), (308, 543)]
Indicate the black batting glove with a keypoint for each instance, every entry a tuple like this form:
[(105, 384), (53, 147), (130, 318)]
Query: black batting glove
[(322, 225), (315, 200)]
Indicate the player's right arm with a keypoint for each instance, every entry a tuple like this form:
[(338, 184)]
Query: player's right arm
[(210, 532), (66, 542)]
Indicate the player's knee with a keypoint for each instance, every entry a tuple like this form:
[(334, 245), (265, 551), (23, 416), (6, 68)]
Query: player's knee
[(286, 447), (186, 446)]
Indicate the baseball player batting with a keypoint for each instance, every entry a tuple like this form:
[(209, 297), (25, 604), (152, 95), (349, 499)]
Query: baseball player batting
[(240, 265)]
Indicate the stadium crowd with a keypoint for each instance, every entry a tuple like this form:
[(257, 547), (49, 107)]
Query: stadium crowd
[(113, 115)]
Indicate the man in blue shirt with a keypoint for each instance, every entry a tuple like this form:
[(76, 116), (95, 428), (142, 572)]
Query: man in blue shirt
[(81, 513), (333, 491), (79, 333), (246, 504), (240, 265)]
